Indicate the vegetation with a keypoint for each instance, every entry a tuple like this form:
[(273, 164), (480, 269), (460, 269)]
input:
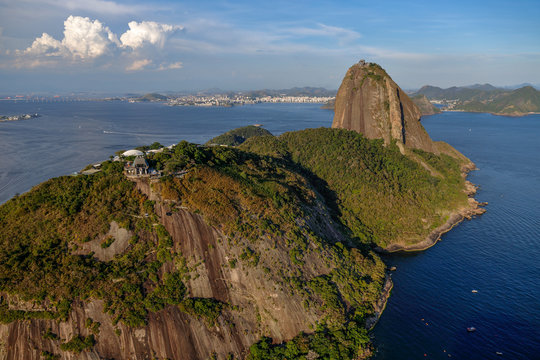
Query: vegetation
[(347, 342), (462, 93), (517, 102), (47, 355), (152, 97), (78, 344), (487, 98), (107, 242), (271, 198), (49, 335), (206, 308), (237, 136), (381, 195), (42, 267), (92, 325)]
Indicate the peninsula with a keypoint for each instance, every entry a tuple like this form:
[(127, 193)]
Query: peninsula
[(263, 249)]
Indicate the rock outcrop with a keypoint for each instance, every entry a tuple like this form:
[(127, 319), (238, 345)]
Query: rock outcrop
[(370, 102), (425, 106)]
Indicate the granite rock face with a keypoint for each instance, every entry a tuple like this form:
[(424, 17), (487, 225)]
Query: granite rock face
[(371, 103), (426, 107)]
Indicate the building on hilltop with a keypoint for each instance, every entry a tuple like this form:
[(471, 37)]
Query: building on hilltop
[(138, 167)]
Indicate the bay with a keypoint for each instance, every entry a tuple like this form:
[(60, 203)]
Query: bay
[(497, 254), (70, 135), (432, 302)]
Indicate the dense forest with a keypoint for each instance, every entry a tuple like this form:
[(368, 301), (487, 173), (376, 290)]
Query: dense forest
[(382, 196)]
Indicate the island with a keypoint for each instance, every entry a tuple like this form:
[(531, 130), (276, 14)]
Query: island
[(4, 118), (266, 248)]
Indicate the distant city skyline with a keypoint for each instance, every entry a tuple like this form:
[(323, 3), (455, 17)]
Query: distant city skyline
[(121, 46)]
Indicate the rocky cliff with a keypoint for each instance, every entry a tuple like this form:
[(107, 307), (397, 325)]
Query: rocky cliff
[(425, 107), (236, 254), (370, 102)]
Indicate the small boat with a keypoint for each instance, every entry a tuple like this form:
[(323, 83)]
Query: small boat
[(474, 291), (499, 353), (471, 329), (392, 268)]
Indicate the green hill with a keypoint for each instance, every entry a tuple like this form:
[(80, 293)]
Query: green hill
[(487, 98), (517, 102), (382, 196), (238, 136), (462, 93), (152, 97)]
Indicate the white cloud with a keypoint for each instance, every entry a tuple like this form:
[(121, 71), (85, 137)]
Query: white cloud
[(138, 65), (84, 38), (87, 40), (147, 32), (44, 45)]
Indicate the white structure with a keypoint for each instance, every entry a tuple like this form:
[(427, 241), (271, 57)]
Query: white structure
[(133, 153)]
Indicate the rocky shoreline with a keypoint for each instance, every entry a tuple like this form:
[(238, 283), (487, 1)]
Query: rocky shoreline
[(380, 305), (474, 208)]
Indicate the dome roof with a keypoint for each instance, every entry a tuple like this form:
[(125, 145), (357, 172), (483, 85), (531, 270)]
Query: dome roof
[(133, 153)]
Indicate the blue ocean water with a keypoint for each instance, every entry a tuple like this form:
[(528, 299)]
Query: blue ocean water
[(70, 135), (498, 254), (431, 305)]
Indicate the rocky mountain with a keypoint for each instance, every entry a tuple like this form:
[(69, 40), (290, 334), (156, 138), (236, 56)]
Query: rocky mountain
[(266, 250), (371, 103), (425, 107)]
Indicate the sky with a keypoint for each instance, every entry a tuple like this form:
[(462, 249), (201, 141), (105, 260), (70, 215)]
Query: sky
[(140, 46)]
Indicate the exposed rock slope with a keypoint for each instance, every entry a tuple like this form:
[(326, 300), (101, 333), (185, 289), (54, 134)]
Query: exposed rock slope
[(370, 102), (425, 107), (237, 253)]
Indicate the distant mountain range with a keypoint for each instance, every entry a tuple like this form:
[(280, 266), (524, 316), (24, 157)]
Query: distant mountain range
[(485, 98)]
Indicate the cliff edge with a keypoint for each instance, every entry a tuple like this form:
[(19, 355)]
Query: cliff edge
[(371, 103)]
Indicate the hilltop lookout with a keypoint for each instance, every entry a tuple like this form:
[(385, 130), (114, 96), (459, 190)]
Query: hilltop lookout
[(138, 167)]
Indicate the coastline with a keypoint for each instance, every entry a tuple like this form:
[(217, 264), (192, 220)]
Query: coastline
[(518, 114), (455, 218), (380, 305)]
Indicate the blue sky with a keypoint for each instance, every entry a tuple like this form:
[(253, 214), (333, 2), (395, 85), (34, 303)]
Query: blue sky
[(131, 46)]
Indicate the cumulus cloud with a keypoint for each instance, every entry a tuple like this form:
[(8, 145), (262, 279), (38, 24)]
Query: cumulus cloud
[(83, 39), (44, 45), (138, 65), (147, 32), (86, 40)]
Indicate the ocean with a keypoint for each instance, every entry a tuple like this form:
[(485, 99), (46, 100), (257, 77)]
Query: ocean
[(432, 302), (497, 254)]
